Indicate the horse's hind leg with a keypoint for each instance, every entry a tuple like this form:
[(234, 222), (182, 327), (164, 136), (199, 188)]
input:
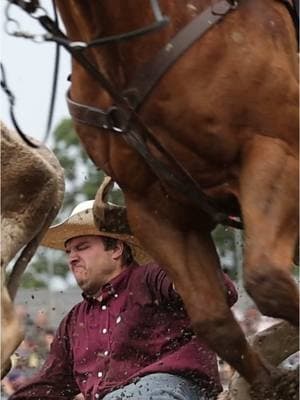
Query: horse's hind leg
[(269, 200)]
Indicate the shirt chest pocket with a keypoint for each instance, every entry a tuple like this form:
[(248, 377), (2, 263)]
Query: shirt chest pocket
[(95, 321), (97, 318), (87, 333)]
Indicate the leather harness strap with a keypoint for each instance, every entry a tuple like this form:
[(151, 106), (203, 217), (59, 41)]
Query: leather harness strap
[(150, 74), (125, 120), (88, 115)]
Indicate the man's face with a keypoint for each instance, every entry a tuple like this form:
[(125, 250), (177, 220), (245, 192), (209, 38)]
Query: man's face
[(91, 264)]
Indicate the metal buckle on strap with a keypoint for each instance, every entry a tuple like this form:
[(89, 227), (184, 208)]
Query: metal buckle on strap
[(118, 119), (222, 8)]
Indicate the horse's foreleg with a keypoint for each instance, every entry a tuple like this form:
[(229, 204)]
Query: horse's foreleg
[(182, 244), (269, 199)]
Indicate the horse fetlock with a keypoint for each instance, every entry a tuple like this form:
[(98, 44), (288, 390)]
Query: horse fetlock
[(275, 294)]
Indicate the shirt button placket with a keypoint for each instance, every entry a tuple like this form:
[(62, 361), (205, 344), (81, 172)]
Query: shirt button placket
[(105, 331), (104, 308)]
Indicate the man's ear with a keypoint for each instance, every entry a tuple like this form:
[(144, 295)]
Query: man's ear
[(118, 250)]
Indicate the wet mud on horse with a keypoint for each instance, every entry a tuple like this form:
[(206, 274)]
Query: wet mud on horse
[(227, 111)]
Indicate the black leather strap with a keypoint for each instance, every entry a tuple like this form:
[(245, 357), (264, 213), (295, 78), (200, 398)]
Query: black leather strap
[(149, 75)]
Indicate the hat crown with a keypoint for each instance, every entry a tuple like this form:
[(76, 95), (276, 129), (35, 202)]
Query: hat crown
[(83, 206), (95, 218)]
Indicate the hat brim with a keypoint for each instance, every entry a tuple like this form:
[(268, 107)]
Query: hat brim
[(82, 224)]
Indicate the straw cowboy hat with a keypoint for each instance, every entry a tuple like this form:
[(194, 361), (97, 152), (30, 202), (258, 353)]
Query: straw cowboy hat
[(96, 217)]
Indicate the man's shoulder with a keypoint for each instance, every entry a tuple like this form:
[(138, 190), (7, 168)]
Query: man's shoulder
[(148, 275), (77, 309), (145, 269)]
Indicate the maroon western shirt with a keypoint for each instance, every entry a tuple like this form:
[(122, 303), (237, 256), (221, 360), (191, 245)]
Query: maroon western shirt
[(138, 326)]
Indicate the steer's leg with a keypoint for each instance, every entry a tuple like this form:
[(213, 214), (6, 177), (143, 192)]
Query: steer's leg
[(269, 199), (12, 331), (180, 240)]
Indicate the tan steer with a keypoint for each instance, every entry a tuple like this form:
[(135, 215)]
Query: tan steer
[(32, 189)]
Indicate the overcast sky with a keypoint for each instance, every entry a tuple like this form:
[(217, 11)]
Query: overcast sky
[(29, 71)]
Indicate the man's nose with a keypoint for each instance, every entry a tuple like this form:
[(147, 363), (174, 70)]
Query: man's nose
[(73, 257)]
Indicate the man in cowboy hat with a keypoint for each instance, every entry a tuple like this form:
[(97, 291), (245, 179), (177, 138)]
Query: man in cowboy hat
[(130, 336)]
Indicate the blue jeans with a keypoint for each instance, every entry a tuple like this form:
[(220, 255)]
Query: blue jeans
[(159, 386)]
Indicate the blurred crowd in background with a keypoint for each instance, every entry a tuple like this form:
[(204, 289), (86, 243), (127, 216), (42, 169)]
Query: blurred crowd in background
[(32, 352)]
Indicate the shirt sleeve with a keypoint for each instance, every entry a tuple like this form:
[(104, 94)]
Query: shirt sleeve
[(55, 381), (159, 284), (162, 288)]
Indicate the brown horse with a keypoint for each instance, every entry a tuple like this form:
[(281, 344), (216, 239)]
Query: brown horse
[(227, 111)]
